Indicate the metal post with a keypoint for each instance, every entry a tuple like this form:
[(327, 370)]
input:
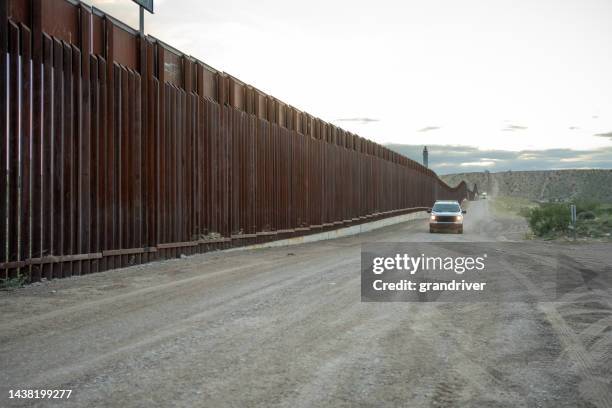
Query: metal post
[(141, 20), (573, 217)]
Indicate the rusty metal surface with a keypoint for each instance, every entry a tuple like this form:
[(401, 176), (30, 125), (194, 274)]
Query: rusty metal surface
[(139, 152)]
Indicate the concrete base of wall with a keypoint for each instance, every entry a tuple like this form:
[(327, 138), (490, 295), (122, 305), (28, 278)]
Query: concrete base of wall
[(339, 233)]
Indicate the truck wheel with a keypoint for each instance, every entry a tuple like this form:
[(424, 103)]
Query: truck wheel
[(431, 230), (460, 230)]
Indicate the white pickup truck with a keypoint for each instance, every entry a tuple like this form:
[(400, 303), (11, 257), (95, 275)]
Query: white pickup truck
[(446, 215)]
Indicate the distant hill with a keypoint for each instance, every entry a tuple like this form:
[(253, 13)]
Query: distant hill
[(453, 159), (541, 185)]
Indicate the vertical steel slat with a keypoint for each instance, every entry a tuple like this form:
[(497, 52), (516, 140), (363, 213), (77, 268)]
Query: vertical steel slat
[(95, 159), (275, 199), (174, 173), (269, 204), (217, 206), (46, 204), (25, 221), (206, 168), (104, 174), (247, 170), (237, 171), (258, 176), (245, 173), (226, 170), (192, 170), (114, 147), (200, 161), (154, 167), (184, 165), (4, 71), (176, 169), (149, 144), (130, 176), (163, 168), (68, 201), (200, 195), (143, 123), (171, 169), (58, 154), (138, 167), (112, 93), (124, 167), (161, 175), (37, 141), (85, 184), (180, 167), (235, 165), (187, 151), (211, 170), (254, 174), (133, 182), (13, 147), (77, 209)]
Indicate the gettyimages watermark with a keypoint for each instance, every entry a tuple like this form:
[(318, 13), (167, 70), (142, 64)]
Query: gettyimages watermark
[(465, 272)]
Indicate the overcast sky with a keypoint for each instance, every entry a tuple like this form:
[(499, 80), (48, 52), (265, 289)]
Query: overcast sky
[(505, 75)]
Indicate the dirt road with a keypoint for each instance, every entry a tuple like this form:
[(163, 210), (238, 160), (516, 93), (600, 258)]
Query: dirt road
[(285, 327)]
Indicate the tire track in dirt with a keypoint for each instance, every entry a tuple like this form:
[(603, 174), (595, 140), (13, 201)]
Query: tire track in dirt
[(594, 389), (142, 297), (65, 373)]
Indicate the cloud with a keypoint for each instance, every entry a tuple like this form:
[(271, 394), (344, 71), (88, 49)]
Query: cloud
[(527, 156), (447, 159), (429, 128), (482, 163), (582, 158), (363, 121), (608, 134), (512, 128)]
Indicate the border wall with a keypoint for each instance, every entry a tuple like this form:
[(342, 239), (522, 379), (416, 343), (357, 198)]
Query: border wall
[(118, 149)]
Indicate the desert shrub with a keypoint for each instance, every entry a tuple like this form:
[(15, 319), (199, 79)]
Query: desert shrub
[(548, 219), (525, 211), (585, 215), (15, 282), (605, 209), (583, 206)]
